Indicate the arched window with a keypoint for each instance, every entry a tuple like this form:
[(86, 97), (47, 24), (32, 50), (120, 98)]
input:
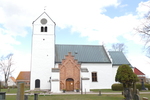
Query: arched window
[(42, 29), (94, 76), (46, 29), (37, 83)]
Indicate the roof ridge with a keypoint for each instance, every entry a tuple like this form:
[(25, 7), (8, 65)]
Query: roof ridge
[(77, 45)]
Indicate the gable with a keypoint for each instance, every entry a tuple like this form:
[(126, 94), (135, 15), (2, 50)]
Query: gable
[(138, 72), (45, 15), (83, 53), (13, 79)]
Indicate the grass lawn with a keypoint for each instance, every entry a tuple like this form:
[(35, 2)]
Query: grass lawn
[(72, 97), (104, 90), (77, 97), (11, 90)]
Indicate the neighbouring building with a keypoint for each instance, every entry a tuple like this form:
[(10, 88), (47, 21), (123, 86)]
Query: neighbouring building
[(56, 67), (23, 77), (11, 81), (140, 74)]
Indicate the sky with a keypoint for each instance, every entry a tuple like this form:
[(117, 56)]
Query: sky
[(89, 22)]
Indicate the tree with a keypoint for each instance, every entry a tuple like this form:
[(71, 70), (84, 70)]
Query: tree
[(144, 29), (5, 66), (126, 76), (119, 47)]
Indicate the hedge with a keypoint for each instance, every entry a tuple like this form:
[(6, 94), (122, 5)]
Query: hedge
[(119, 87)]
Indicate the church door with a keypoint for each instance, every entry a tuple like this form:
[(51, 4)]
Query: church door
[(70, 84), (37, 83)]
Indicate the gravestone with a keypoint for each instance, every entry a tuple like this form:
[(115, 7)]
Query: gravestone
[(35, 96), (25, 97), (136, 97), (20, 91), (2, 95), (144, 98)]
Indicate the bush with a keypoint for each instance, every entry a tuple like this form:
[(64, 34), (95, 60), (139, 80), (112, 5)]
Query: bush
[(119, 87), (138, 86), (147, 86)]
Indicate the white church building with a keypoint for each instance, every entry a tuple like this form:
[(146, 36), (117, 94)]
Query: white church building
[(56, 67)]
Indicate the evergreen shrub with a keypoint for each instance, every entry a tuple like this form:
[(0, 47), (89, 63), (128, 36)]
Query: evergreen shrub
[(119, 87)]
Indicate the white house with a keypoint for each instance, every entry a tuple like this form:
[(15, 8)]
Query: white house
[(11, 81), (55, 67)]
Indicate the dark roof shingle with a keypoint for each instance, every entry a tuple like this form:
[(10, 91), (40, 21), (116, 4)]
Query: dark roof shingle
[(118, 58), (83, 53)]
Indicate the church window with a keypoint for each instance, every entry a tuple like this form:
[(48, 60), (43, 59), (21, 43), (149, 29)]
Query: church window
[(42, 29), (45, 29), (94, 76)]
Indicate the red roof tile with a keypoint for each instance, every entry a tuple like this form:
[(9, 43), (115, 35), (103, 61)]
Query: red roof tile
[(23, 75), (13, 79), (138, 72)]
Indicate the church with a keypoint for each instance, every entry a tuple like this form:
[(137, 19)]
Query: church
[(56, 67)]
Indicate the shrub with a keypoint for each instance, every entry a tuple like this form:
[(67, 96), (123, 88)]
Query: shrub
[(119, 87), (138, 86), (147, 86)]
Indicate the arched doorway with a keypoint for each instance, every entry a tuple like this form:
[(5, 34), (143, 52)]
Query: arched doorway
[(69, 84), (37, 83)]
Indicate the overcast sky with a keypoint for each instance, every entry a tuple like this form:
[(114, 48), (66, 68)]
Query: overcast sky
[(78, 21)]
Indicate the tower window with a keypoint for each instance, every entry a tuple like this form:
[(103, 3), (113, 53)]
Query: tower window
[(44, 29)]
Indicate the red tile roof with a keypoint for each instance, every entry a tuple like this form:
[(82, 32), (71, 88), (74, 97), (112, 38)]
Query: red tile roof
[(23, 75), (138, 72), (13, 79)]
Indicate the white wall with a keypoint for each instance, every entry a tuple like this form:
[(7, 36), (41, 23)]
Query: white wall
[(10, 82), (55, 80), (104, 75), (114, 71), (86, 85)]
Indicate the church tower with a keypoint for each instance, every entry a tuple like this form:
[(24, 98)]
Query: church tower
[(43, 52)]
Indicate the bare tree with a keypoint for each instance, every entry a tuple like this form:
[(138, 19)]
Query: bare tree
[(119, 47), (144, 29), (6, 66)]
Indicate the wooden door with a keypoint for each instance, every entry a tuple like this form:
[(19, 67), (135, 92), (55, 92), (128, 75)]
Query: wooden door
[(70, 84)]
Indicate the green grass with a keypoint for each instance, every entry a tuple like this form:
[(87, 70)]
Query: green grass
[(72, 97), (103, 90), (77, 97), (110, 90), (11, 90)]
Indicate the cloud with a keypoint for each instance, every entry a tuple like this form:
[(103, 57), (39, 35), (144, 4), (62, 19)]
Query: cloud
[(83, 16), (141, 62), (143, 9)]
